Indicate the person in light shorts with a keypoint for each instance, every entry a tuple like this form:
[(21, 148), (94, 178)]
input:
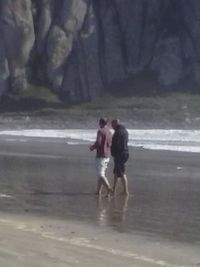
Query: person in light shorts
[(102, 146), (101, 166)]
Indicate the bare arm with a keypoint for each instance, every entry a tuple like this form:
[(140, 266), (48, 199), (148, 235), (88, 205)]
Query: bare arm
[(97, 142)]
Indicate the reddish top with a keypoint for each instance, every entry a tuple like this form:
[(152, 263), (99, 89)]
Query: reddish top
[(103, 143)]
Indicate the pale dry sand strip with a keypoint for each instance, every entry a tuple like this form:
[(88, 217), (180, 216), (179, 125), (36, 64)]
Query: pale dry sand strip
[(86, 244)]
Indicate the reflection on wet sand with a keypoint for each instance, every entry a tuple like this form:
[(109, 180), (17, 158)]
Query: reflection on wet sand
[(165, 203), (112, 211)]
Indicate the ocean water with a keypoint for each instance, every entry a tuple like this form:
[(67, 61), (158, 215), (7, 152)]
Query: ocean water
[(157, 139)]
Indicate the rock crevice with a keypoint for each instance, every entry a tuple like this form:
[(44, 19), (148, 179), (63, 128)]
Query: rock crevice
[(80, 48)]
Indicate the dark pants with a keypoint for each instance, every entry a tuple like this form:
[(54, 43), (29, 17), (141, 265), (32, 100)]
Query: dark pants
[(119, 164)]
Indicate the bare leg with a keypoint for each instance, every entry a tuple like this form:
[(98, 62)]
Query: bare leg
[(115, 183), (106, 184), (124, 184), (99, 186)]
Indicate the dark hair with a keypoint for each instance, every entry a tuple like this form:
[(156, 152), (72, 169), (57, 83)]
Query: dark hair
[(103, 121), (115, 121)]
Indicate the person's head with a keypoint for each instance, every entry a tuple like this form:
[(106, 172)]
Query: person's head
[(115, 123), (102, 122)]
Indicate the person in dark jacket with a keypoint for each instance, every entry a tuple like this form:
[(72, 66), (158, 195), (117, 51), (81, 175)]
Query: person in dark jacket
[(120, 153), (102, 146)]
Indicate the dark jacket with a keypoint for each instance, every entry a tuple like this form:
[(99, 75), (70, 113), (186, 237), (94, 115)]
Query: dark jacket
[(103, 143), (119, 145)]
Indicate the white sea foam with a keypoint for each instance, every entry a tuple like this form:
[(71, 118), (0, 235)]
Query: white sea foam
[(177, 140), (2, 195)]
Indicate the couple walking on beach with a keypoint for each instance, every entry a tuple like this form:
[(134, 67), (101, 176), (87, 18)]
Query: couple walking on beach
[(117, 146)]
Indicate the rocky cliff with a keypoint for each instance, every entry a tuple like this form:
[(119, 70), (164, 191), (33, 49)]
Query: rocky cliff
[(80, 48)]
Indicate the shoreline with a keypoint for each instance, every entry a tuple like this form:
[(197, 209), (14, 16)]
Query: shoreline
[(157, 140), (12, 139)]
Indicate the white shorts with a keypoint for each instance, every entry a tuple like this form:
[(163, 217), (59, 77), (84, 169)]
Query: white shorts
[(101, 166)]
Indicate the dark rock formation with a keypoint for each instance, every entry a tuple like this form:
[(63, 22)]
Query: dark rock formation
[(80, 48), (16, 42)]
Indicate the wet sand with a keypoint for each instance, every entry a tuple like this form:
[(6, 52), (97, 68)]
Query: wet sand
[(47, 207)]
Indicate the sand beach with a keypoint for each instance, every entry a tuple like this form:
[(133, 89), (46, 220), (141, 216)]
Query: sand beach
[(50, 217)]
